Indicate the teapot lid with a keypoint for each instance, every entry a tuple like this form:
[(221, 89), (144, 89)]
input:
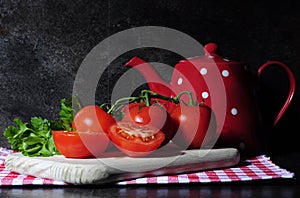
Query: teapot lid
[(212, 56)]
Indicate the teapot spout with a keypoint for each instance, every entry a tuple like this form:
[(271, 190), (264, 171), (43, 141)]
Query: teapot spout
[(155, 82)]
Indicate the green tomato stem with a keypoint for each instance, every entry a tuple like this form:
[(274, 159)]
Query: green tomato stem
[(119, 102), (159, 96), (146, 96), (192, 102)]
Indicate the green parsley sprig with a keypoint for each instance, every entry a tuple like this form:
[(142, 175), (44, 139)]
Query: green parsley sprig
[(35, 138)]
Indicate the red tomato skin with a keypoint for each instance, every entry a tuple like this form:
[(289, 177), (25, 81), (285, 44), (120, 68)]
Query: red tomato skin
[(73, 144), (194, 125), (92, 119), (134, 147), (154, 115)]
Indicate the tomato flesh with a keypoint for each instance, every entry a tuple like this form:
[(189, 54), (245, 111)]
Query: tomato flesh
[(73, 144), (135, 140)]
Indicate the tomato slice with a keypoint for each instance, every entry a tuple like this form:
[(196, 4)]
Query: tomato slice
[(135, 140), (73, 144)]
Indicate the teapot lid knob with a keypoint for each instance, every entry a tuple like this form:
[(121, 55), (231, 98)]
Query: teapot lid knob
[(210, 48)]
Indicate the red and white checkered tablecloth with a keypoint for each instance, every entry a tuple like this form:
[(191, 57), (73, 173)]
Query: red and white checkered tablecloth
[(256, 168)]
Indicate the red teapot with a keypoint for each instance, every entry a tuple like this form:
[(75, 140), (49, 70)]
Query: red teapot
[(223, 85)]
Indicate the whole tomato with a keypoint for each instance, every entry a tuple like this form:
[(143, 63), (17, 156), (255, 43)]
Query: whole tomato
[(154, 115), (135, 140), (92, 119), (196, 124)]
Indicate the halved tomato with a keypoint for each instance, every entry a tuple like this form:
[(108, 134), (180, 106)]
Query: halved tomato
[(74, 144), (135, 140)]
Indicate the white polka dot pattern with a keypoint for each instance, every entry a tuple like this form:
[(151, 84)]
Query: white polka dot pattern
[(203, 71), (205, 94), (225, 73), (234, 111), (179, 81)]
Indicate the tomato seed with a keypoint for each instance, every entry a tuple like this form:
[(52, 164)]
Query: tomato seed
[(147, 139), (124, 134)]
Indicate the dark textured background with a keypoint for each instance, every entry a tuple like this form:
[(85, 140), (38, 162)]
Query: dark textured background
[(42, 44)]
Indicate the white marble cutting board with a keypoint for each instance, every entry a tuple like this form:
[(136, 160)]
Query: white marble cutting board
[(115, 168)]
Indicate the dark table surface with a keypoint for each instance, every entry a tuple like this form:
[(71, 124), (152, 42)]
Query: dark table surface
[(265, 188)]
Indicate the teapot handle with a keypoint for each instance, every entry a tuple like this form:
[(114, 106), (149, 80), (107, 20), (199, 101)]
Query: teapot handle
[(292, 81)]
